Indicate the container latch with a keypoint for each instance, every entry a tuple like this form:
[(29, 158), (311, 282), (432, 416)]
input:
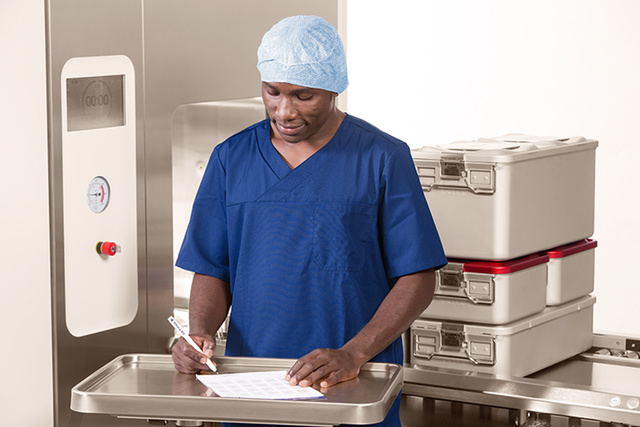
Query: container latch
[(454, 173), (451, 341), (453, 282)]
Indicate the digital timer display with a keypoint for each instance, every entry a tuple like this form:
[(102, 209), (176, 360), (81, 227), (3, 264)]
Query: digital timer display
[(95, 102)]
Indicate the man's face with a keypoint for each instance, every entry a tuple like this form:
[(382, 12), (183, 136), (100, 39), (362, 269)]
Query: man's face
[(298, 113)]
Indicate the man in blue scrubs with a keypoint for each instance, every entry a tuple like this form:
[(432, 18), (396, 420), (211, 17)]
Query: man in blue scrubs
[(312, 223)]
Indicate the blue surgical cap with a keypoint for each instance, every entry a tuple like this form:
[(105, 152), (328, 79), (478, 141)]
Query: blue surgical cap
[(304, 51)]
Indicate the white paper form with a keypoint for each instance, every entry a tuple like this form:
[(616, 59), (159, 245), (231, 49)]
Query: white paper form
[(258, 385)]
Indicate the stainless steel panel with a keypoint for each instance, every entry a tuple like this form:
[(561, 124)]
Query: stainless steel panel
[(148, 386), (420, 412), (78, 28)]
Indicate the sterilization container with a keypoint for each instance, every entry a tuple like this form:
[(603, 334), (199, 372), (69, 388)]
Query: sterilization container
[(571, 271), (507, 197), (490, 292), (515, 349)]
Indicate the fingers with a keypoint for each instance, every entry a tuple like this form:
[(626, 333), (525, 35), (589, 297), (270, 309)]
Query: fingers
[(303, 367), (323, 367), (208, 346), (335, 378), (306, 373), (189, 361), (183, 363)]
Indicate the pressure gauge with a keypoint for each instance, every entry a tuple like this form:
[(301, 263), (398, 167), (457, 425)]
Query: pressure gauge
[(98, 194)]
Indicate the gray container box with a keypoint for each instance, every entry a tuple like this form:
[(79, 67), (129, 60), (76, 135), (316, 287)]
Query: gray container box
[(516, 349), (503, 198)]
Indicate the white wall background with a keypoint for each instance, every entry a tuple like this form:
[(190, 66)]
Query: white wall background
[(26, 395), (433, 71)]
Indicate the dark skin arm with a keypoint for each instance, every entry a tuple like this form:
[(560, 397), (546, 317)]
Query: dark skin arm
[(208, 307), (410, 296)]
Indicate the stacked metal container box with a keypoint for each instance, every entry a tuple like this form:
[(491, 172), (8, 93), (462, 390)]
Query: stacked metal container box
[(515, 215)]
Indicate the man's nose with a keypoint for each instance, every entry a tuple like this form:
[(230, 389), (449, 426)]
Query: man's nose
[(286, 110)]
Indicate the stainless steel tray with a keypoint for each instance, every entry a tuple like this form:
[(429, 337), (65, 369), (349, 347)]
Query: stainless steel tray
[(147, 386)]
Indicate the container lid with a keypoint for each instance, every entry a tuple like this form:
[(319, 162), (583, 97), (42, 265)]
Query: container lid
[(502, 267), (571, 249), (505, 149), (482, 144), (546, 315)]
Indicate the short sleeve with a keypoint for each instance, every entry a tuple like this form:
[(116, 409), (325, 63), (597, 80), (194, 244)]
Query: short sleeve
[(409, 238), (205, 248)]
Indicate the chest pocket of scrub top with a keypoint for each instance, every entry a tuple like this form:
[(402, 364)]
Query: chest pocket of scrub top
[(342, 234)]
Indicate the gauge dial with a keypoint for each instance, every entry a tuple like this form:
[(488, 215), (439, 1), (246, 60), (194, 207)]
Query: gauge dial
[(98, 194)]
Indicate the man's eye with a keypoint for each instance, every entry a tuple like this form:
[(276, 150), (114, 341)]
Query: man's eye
[(305, 97)]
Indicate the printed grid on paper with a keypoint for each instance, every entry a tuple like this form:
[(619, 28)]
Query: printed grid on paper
[(258, 385)]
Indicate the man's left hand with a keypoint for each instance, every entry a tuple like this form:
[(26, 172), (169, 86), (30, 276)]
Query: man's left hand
[(324, 367)]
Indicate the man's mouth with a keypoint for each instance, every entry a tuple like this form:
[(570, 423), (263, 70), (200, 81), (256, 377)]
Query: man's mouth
[(288, 129)]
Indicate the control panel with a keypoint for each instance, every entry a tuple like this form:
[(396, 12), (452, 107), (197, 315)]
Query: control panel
[(99, 193)]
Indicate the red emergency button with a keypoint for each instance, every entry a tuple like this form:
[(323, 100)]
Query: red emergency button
[(107, 248)]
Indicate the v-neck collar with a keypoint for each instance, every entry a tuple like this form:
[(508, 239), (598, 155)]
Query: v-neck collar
[(280, 167)]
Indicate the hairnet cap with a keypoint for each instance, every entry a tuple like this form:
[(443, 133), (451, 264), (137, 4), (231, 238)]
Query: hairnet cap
[(304, 51)]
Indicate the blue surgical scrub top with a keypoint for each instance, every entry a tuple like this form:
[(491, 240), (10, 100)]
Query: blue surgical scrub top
[(310, 252)]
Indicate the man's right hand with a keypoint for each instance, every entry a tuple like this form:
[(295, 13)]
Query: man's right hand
[(189, 361)]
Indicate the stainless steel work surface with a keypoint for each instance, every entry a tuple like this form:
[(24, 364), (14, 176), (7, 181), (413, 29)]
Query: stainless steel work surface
[(584, 386), (148, 387), (606, 374)]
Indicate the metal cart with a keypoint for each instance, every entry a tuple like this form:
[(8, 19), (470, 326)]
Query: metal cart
[(145, 386)]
